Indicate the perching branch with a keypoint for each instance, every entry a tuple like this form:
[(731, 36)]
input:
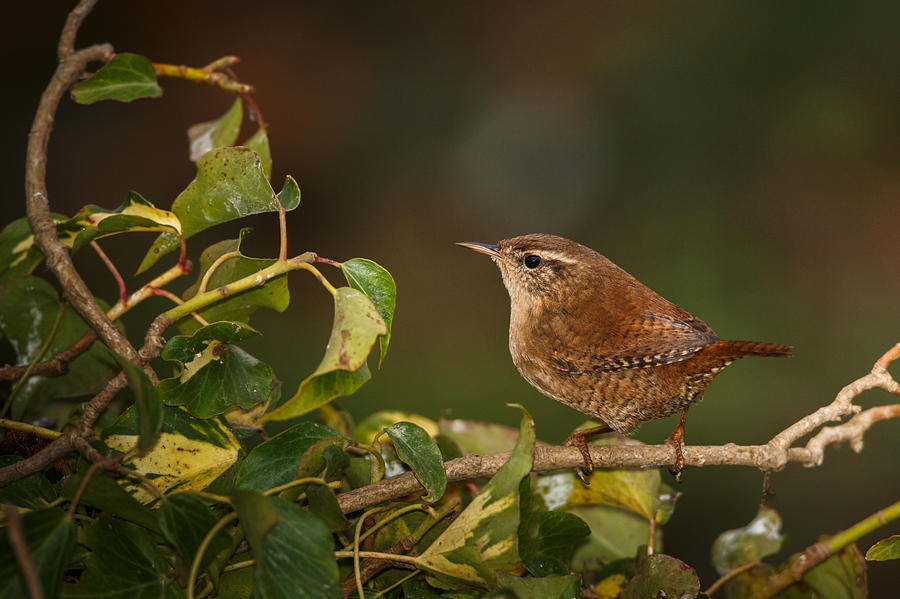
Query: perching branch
[(774, 455)]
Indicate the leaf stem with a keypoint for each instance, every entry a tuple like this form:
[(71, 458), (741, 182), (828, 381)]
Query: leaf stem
[(393, 515), (35, 360), (209, 496), (24, 427), (296, 483), (239, 565), (204, 545), (391, 557), (282, 230), (320, 277), (736, 572), (212, 268), (207, 74), (386, 590), (123, 294), (144, 292), (257, 279), (171, 296), (378, 467)]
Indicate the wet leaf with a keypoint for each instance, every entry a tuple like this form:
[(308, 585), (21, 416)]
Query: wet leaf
[(125, 78), (419, 451), (28, 309), (213, 375), (259, 143), (547, 540), (190, 452), (884, 549), (615, 534), (33, 492), (185, 520), (378, 285), (146, 402), (483, 540), (50, 535), (343, 367), (292, 548), (658, 572), (274, 462), (548, 587), (135, 214), (18, 254), (473, 436), (230, 184), (123, 564), (760, 538), (221, 132), (271, 294)]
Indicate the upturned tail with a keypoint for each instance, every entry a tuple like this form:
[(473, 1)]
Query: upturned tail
[(750, 348)]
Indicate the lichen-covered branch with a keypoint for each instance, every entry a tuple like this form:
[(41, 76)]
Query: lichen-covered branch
[(774, 455)]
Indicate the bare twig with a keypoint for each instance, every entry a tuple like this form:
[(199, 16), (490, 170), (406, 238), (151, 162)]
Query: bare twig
[(19, 544), (56, 364), (774, 455)]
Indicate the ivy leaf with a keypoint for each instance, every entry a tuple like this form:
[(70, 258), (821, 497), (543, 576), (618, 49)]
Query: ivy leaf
[(185, 520), (760, 538), (548, 587), (884, 549), (274, 462), (212, 374), (50, 535), (292, 548), (374, 423), (378, 285), (659, 572), (343, 368), (547, 540), (146, 401), (272, 294), (615, 534), (103, 493), (135, 214), (190, 452), (219, 133), (18, 254), (259, 143), (28, 308), (32, 492), (417, 449), (125, 78), (483, 540), (230, 184)]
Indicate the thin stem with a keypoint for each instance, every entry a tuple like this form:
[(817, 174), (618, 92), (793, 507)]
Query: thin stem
[(174, 298), (736, 572), (123, 294), (319, 277), (329, 261), (203, 75), (296, 483), (386, 590), (282, 231), (378, 467), (212, 268), (393, 515), (84, 483), (209, 496), (355, 552), (239, 565), (16, 533), (24, 427), (34, 362), (144, 292), (391, 557), (201, 300), (204, 545)]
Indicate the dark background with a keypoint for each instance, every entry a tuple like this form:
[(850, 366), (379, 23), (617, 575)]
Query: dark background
[(740, 159)]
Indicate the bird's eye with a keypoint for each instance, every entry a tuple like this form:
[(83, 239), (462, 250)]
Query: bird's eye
[(532, 260)]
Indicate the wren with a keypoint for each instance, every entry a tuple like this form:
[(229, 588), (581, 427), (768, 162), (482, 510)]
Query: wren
[(589, 335)]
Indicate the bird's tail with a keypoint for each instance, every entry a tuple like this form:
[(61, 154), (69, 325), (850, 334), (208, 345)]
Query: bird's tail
[(751, 348)]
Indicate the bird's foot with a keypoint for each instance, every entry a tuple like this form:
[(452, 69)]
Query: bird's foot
[(676, 440), (578, 439)]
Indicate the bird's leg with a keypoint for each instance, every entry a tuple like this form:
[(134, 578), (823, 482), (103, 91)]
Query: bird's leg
[(578, 439), (677, 440)]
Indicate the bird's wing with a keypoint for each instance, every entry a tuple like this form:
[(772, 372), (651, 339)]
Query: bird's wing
[(649, 340)]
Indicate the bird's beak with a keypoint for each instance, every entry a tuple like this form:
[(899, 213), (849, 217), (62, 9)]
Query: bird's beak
[(485, 248)]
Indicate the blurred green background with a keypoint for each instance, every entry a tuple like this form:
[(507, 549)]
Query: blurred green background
[(739, 158)]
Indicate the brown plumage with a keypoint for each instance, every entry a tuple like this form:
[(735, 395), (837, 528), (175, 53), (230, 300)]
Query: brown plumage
[(586, 333)]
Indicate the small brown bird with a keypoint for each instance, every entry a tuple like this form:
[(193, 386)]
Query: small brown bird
[(586, 333)]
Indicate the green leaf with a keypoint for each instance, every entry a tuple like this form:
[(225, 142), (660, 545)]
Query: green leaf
[(473, 436), (658, 572), (548, 587), (547, 540), (219, 133), (325, 458), (236, 584), (259, 143), (50, 535), (760, 538), (323, 503), (125, 78), (33, 492), (272, 294), (378, 285), (211, 374), (841, 576), (28, 309), (124, 563), (18, 254), (230, 184), (884, 549), (146, 401), (292, 548), (289, 196), (185, 520), (190, 453), (419, 451), (374, 423), (343, 369), (483, 540), (103, 493), (274, 462), (135, 214), (615, 534)]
